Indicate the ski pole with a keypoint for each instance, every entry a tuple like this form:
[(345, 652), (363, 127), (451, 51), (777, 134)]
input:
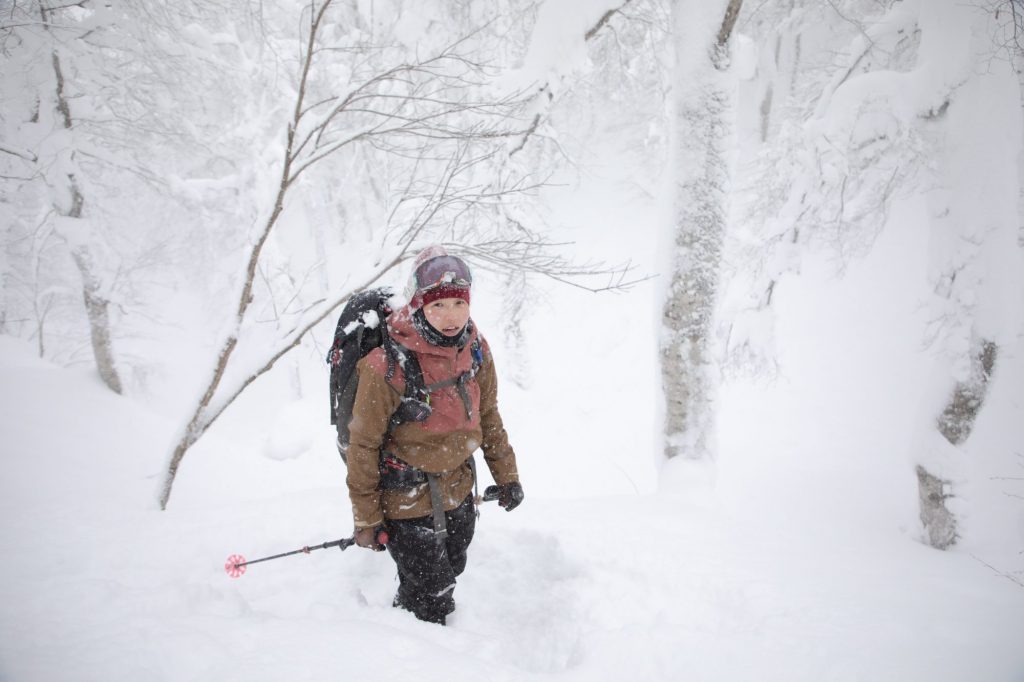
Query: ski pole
[(236, 564)]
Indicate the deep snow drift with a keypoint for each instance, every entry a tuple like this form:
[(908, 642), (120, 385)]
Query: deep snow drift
[(790, 567)]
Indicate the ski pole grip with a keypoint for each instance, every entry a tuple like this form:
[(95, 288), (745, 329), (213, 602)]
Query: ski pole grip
[(491, 493), (381, 538)]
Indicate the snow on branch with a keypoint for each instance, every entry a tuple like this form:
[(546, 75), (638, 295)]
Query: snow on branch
[(24, 154), (542, 97)]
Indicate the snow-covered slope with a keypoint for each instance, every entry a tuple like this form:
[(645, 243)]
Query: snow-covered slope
[(98, 585)]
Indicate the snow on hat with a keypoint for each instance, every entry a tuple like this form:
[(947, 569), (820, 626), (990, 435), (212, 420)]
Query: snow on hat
[(437, 274)]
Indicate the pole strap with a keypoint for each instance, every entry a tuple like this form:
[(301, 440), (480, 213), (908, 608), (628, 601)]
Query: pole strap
[(476, 486), (437, 503)]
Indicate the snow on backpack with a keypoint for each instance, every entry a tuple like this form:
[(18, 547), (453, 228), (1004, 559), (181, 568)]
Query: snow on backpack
[(360, 329)]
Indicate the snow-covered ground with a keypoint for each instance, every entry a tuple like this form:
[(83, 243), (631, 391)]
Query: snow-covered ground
[(98, 585), (796, 557)]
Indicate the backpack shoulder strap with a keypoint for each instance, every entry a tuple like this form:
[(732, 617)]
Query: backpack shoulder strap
[(400, 356), (415, 404)]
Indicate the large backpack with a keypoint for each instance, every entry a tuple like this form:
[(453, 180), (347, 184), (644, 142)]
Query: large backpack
[(360, 329)]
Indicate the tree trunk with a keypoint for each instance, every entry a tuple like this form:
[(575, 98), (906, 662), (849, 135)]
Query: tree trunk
[(702, 108), (955, 424), (957, 419), (939, 522), (202, 417), (96, 305)]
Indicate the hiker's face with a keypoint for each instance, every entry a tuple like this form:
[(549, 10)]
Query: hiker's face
[(447, 315)]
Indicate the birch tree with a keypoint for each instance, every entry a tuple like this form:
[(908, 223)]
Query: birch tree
[(91, 150), (702, 107), (57, 164)]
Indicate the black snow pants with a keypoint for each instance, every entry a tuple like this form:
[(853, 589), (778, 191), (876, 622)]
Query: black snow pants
[(427, 568)]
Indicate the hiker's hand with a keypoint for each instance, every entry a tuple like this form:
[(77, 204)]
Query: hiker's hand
[(369, 538), (510, 495)]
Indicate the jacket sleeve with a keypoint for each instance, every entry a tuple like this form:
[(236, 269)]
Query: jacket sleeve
[(375, 402), (498, 453)]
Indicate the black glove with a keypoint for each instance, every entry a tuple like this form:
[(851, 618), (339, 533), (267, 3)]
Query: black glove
[(509, 495)]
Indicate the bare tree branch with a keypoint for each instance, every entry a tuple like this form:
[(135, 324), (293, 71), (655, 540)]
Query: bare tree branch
[(603, 21), (997, 571), (20, 153)]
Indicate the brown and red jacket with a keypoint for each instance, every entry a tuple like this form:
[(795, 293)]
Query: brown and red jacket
[(442, 444)]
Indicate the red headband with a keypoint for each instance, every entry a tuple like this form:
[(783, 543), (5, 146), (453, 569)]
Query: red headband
[(432, 294)]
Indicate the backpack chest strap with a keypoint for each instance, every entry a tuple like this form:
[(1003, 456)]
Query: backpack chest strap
[(415, 387), (459, 381)]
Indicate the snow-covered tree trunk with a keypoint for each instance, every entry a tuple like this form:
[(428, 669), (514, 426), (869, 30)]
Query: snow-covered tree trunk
[(975, 257), (71, 208), (957, 419), (702, 108), (97, 309), (901, 116)]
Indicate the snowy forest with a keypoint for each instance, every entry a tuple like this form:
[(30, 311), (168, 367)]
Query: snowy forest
[(752, 272)]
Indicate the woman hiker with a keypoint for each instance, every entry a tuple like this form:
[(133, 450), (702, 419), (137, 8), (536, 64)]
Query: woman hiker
[(414, 477)]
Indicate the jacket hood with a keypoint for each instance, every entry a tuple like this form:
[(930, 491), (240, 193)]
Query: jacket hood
[(404, 332)]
